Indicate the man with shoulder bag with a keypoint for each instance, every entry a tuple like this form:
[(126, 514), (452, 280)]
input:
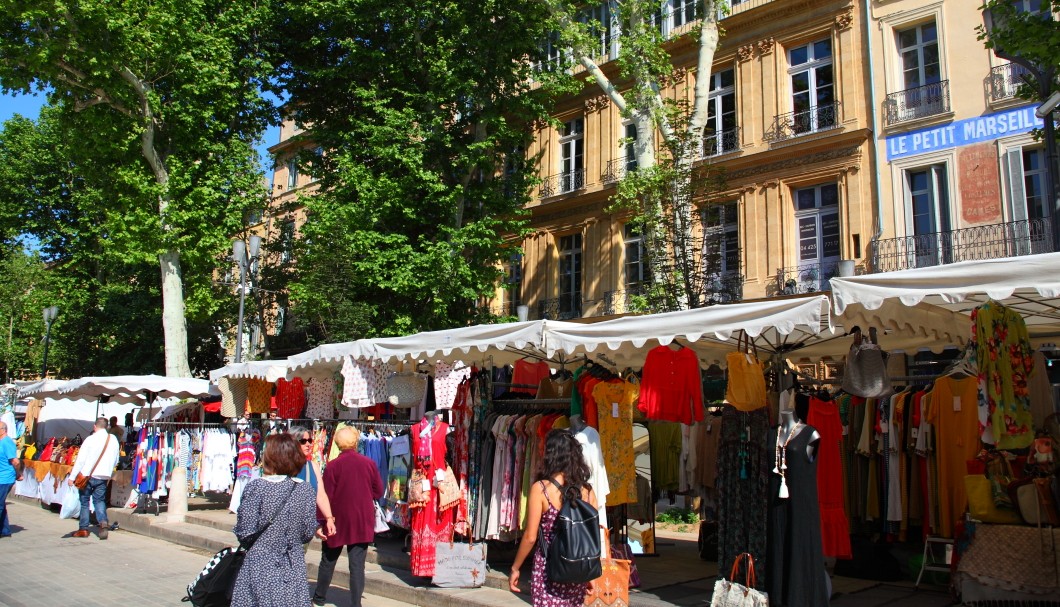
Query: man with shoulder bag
[(91, 474)]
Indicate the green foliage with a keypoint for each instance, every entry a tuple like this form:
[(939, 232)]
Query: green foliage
[(163, 101), (1035, 37), (109, 310), (678, 516), (422, 110)]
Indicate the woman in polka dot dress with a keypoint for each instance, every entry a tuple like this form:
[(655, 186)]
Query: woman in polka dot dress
[(565, 465)]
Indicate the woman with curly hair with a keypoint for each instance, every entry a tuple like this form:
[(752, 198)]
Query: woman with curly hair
[(564, 466)]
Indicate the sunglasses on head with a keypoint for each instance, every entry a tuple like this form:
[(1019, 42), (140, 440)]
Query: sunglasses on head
[(304, 441)]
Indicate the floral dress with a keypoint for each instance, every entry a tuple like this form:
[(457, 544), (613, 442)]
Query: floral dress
[(546, 593)]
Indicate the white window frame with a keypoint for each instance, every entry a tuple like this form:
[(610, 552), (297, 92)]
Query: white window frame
[(570, 254), (292, 173), (1014, 173), (714, 101), (512, 295), (810, 283), (288, 229), (943, 214), (629, 146), (573, 177), (606, 15), (636, 240), (919, 48), (890, 25), (810, 67)]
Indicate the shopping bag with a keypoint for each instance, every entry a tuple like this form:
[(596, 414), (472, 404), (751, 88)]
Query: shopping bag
[(611, 589), (730, 593), (381, 526), (865, 373), (459, 565), (981, 504), (623, 552), (71, 504)]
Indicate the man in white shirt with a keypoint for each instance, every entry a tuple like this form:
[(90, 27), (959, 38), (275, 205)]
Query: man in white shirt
[(96, 459)]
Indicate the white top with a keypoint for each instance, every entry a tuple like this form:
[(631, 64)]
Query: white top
[(100, 441)]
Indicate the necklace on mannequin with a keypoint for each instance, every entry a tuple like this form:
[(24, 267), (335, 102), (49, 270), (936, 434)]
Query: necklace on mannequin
[(781, 466)]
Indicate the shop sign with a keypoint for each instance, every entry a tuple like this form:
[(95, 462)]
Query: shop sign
[(963, 132)]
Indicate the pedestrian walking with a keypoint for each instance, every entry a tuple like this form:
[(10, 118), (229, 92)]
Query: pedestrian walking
[(564, 465), (96, 459), (10, 472), (310, 473), (282, 508), (352, 483)]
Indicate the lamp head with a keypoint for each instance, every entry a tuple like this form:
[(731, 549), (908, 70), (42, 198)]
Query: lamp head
[(50, 313), (255, 246), (239, 252)]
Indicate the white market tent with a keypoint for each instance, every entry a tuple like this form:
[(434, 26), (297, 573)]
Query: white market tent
[(331, 355), (1029, 285), (269, 370), (710, 331), (143, 386), (54, 389)]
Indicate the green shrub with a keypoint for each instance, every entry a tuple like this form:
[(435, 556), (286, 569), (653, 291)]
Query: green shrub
[(678, 516)]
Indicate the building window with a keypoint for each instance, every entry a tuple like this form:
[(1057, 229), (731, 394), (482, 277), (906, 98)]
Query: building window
[(719, 134), (1027, 177), (552, 54), (631, 147), (928, 206), (514, 283), (812, 87), (1034, 179), (570, 276), (292, 173), (286, 241), (281, 318), (673, 14), (817, 222), (723, 282), (919, 49), (602, 24), (633, 245), (572, 155)]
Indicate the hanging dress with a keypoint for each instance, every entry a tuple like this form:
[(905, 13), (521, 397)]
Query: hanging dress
[(429, 527), (745, 458), (797, 575), (835, 529)]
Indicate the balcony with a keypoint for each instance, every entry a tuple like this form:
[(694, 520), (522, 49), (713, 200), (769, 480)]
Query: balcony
[(622, 302), (1012, 239), (716, 144), (723, 288), (920, 102), (558, 309), (563, 183), (794, 124), (1005, 81), (617, 169), (808, 278)]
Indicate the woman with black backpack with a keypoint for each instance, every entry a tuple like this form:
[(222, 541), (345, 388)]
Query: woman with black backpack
[(562, 485)]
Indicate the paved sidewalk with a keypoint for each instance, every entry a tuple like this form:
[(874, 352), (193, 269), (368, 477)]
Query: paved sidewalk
[(42, 565)]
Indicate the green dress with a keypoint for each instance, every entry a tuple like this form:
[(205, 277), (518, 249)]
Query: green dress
[(1005, 359)]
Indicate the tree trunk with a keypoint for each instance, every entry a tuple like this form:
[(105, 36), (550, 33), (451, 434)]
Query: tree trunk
[(174, 326)]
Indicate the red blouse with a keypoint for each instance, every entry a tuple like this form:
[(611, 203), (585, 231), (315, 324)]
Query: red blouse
[(671, 389)]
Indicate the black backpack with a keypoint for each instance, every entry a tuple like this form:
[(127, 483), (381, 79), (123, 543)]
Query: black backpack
[(574, 554)]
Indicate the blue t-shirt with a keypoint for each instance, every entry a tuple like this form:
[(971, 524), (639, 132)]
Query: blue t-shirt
[(7, 453)]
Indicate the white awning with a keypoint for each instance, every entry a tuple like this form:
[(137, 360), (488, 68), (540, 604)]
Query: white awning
[(710, 331), (138, 386), (45, 388), (505, 342), (332, 354), (1030, 285), (269, 370)]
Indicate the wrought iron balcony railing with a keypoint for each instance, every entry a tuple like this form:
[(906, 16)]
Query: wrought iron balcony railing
[(919, 102), (562, 183), (793, 124), (717, 143), (559, 309), (1012, 239), (723, 287), (621, 302), (617, 169), (807, 278), (1005, 81)]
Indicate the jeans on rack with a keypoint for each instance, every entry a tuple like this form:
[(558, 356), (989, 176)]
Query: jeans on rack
[(328, 557), (94, 490)]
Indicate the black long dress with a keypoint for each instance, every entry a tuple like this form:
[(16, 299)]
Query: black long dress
[(745, 458), (797, 576)]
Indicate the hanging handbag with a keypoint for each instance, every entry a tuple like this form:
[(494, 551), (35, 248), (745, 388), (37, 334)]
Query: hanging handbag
[(746, 387), (381, 525), (981, 504), (419, 489), (448, 491), (611, 589), (730, 593), (865, 372), (459, 565), (406, 389), (81, 480)]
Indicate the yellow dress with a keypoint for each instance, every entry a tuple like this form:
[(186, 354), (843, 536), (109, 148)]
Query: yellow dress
[(952, 408), (615, 405)]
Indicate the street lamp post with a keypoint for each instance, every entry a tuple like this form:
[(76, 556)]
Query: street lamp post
[(246, 264), (49, 317)]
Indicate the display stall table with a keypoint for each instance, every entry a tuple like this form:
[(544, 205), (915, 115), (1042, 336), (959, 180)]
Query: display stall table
[(45, 481), (1011, 563)]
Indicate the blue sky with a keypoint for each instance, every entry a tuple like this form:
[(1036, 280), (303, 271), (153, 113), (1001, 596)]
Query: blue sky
[(29, 106)]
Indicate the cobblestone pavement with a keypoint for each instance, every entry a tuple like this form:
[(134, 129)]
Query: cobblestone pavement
[(43, 565)]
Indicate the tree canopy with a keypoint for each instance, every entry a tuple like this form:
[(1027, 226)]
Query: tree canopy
[(418, 115)]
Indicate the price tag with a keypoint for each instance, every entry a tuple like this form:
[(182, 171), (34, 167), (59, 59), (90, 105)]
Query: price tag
[(883, 426), (425, 485), (439, 475), (846, 430), (914, 432), (614, 409), (956, 403)]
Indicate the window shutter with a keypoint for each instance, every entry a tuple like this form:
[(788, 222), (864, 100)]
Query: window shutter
[(1017, 197)]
